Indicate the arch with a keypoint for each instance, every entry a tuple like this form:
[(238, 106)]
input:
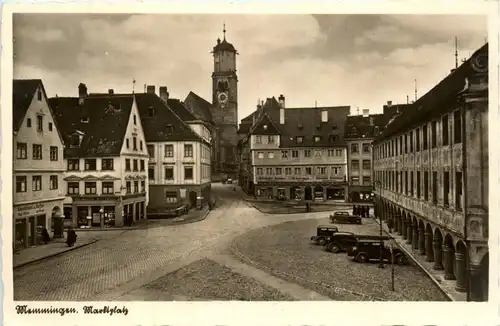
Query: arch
[(449, 258), (448, 241), (438, 236), (429, 245), (56, 211), (308, 193), (484, 276), (421, 225)]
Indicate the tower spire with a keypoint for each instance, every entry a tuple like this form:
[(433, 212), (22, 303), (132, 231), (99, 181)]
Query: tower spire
[(415, 90), (224, 30), (456, 52)]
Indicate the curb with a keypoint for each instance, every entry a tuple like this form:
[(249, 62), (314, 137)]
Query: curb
[(53, 255), (199, 219), (410, 254)]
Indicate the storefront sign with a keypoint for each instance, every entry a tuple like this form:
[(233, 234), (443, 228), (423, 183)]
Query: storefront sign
[(33, 209)]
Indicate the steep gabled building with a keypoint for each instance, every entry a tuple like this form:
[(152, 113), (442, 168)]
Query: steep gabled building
[(38, 167), (106, 157)]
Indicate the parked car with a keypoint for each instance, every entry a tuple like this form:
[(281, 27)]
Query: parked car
[(345, 218), (323, 233), (369, 249), (229, 180), (344, 241)]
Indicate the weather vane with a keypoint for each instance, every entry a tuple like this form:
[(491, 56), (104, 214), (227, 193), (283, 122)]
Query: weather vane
[(224, 30)]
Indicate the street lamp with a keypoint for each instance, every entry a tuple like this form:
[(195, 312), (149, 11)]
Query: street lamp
[(381, 261)]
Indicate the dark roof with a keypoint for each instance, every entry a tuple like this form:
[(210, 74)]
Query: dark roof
[(305, 122), (359, 126), (103, 134), (199, 107), (180, 109), (165, 123), (441, 98), (265, 126), (23, 91), (224, 46)]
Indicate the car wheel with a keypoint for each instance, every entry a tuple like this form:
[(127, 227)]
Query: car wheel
[(328, 247), (401, 259), (321, 241), (362, 257), (334, 248)]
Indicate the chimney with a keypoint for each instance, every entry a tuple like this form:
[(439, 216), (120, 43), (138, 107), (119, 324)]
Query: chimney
[(164, 93), (150, 89), (371, 121), (282, 115), (82, 93), (366, 112), (111, 91), (281, 100), (389, 103)]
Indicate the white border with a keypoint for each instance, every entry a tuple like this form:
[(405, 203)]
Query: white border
[(259, 313)]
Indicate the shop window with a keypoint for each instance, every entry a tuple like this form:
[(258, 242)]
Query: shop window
[(170, 197)]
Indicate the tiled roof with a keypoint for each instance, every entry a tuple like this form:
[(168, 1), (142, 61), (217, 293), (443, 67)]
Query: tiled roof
[(200, 107), (306, 122), (108, 117), (359, 126), (439, 99), (180, 109), (23, 91), (265, 126), (224, 46), (163, 123)]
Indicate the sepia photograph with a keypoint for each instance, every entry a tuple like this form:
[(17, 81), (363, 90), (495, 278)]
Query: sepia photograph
[(189, 157)]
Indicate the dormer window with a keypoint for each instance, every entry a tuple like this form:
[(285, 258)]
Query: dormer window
[(84, 120), (265, 127), (299, 139), (334, 127), (170, 129), (151, 111), (318, 127), (333, 138), (317, 139), (75, 140), (300, 126)]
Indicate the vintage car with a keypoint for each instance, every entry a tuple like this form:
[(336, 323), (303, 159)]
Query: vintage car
[(344, 241), (345, 218), (229, 180), (369, 249), (323, 234)]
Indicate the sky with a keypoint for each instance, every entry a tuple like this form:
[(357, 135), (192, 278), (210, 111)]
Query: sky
[(324, 60)]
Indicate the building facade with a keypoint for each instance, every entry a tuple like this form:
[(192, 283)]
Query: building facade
[(296, 153), (431, 167), (178, 144), (38, 166), (106, 176)]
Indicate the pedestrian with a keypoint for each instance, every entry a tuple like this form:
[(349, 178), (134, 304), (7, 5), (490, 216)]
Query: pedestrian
[(45, 236), (71, 237), (363, 211), (130, 220), (353, 209)]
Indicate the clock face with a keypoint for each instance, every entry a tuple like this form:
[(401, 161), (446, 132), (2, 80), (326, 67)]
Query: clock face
[(222, 98)]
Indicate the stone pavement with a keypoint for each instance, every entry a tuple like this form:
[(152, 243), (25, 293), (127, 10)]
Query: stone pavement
[(447, 286)]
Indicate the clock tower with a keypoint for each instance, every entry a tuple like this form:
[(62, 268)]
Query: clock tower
[(225, 103)]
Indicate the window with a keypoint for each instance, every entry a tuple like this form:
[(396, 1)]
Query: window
[(188, 173), (354, 148), (260, 155), (446, 188), (457, 127), (73, 188), (284, 154), (434, 134), (258, 139), (406, 182), (188, 150), (75, 141), (128, 186), (295, 154), (50, 126), (143, 186), (170, 197), (366, 148), (331, 152), (136, 186), (270, 155), (321, 170), (417, 140), (143, 167), (39, 123), (307, 153), (324, 116), (397, 181), (355, 164), (426, 185), (22, 151), (73, 164), (21, 184), (135, 119), (425, 138), (28, 122), (134, 143), (297, 171), (53, 184), (367, 165), (288, 171), (37, 152), (90, 188), (411, 141), (270, 139), (140, 145), (127, 143), (406, 144), (39, 95), (170, 129), (90, 164), (169, 150), (418, 185), (338, 152), (366, 181), (401, 145), (151, 151), (434, 186), (169, 173), (300, 139), (53, 153), (411, 183), (355, 180), (269, 171), (317, 139), (335, 169), (107, 164), (151, 173), (278, 171), (108, 188), (317, 153), (260, 171), (308, 170), (127, 164), (458, 190), (135, 165), (446, 136)]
